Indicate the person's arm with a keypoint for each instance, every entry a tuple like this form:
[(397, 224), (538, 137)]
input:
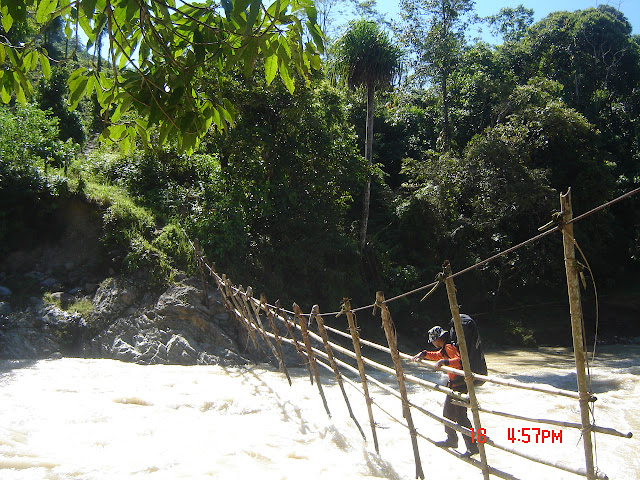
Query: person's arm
[(454, 360), (428, 355)]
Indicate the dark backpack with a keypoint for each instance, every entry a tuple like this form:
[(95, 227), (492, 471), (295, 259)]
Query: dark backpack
[(474, 345)]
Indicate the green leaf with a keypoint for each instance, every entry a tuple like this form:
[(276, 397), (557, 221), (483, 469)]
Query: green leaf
[(76, 91), (7, 20), (46, 66), (46, 8), (286, 78), (20, 93), (312, 13), (271, 68), (228, 8), (4, 95), (88, 7), (254, 11)]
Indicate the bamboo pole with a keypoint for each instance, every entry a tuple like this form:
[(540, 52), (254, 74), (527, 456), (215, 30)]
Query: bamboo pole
[(389, 330), (232, 300), (312, 360), (464, 354), (295, 341), (575, 308), (256, 312), (315, 313), (272, 323), (355, 337)]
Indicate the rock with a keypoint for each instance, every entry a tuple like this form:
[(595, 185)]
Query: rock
[(5, 308), (5, 292), (180, 352), (64, 299), (113, 297), (49, 282)]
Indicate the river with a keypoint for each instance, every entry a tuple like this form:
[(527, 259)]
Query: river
[(89, 419)]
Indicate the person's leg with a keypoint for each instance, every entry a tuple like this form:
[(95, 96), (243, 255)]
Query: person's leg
[(449, 412)]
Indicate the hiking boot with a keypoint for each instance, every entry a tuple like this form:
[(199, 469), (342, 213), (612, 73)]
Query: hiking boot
[(448, 443), (471, 450)]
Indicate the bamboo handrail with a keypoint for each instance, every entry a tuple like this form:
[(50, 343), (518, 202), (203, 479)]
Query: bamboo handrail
[(485, 378), (494, 471), (383, 368), (560, 423)]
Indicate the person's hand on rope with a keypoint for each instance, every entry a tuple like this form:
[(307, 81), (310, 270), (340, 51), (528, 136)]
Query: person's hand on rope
[(439, 364)]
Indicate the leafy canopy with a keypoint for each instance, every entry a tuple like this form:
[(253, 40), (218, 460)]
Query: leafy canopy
[(159, 51), (365, 56)]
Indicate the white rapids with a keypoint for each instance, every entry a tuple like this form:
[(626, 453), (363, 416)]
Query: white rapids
[(88, 419)]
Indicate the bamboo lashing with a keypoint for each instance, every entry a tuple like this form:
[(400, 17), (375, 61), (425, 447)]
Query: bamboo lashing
[(311, 359), (389, 330), (315, 314)]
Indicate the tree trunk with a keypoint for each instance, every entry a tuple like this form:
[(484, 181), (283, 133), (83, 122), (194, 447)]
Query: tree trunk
[(368, 149)]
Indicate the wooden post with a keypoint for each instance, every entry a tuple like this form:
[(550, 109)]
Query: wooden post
[(575, 309), (263, 305), (464, 355), (315, 313), (355, 337), (312, 359), (251, 306), (293, 338), (389, 330)]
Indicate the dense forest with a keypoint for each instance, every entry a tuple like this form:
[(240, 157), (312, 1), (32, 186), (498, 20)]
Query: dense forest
[(315, 166)]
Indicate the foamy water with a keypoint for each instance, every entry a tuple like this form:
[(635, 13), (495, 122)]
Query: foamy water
[(103, 419)]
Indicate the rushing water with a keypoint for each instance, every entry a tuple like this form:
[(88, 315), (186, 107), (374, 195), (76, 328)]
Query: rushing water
[(107, 420)]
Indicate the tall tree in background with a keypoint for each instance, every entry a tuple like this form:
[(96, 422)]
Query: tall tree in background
[(365, 57), (434, 31)]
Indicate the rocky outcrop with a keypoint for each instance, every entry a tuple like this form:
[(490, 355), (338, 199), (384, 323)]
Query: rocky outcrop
[(180, 326)]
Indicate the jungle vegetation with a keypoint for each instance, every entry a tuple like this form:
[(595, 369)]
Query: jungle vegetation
[(229, 123)]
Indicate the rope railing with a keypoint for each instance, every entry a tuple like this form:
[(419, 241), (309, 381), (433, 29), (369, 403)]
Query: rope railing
[(252, 314)]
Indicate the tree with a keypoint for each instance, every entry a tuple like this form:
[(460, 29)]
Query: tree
[(365, 57), (511, 23), (158, 52), (434, 30)]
